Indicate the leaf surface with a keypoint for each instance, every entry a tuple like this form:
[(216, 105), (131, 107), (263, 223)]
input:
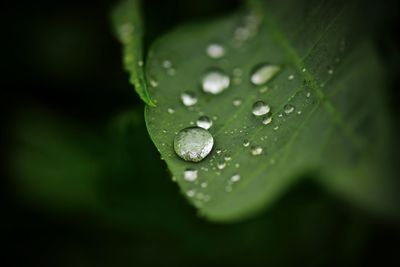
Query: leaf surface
[(329, 73)]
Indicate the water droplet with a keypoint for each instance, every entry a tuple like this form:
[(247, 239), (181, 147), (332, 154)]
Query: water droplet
[(237, 165), (221, 165), (219, 151), (188, 99), (237, 102), (140, 63), (193, 144), (190, 193), (227, 158), (264, 73), (215, 82), (167, 64), (204, 122), (190, 175), (260, 108), (288, 108), (153, 83), (308, 94), (256, 150), (267, 120), (303, 69), (215, 50), (171, 110), (246, 143), (290, 77), (235, 178), (203, 184), (330, 71)]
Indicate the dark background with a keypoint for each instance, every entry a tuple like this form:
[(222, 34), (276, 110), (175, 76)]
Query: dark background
[(82, 188)]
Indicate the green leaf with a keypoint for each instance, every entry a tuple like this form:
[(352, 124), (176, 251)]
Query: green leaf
[(129, 30), (330, 74)]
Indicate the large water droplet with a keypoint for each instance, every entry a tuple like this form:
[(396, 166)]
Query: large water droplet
[(193, 144), (204, 122), (256, 150), (260, 108), (215, 82), (288, 108), (215, 50), (188, 99), (190, 175), (264, 73)]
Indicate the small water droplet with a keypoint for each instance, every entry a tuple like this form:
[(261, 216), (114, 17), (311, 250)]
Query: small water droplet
[(190, 193), (171, 110), (167, 64), (290, 77), (237, 102), (204, 122), (235, 178), (203, 184), (246, 143), (260, 108), (276, 128), (288, 108), (256, 150), (219, 151), (308, 94), (330, 71), (140, 63), (190, 175), (227, 158), (263, 73), (215, 50), (267, 120), (303, 69), (153, 83), (215, 82), (188, 99), (237, 165), (193, 144), (221, 165)]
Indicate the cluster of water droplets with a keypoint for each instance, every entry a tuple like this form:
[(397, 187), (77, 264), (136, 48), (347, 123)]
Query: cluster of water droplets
[(196, 142)]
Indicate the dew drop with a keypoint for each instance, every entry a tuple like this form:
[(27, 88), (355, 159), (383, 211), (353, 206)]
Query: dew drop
[(190, 175), (203, 184), (260, 108), (204, 122), (215, 82), (246, 143), (267, 120), (263, 73), (188, 99), (288, 108), (237, 102), (215, 50), (290, 77), (193, 144), (330, 71), (190, 193), (256, 150), (167, 64), (235, 178), (171, 110), (221, 165), (303, 69)]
